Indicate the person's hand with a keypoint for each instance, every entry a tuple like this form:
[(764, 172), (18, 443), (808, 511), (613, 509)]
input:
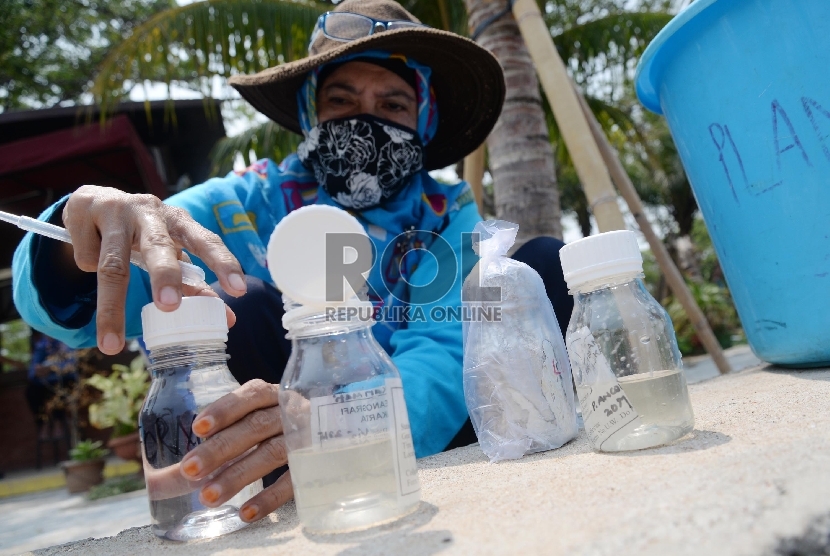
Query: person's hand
[(247, 418), (106, 224)]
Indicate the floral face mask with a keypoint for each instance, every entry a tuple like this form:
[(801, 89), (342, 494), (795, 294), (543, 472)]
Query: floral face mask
[(361, 161)]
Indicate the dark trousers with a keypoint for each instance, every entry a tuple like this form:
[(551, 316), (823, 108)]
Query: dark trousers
[(258, 348)]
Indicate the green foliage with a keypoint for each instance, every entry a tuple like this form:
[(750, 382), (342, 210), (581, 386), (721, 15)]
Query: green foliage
[(564, 14), (267, 140), (709, 291), (87, 450), (190, 44), (611, 42), (626, 135), (601, 42), (710, 269), (15, 344), (716, 304), (50, 49), (115, 486), (652, 274), (123, 393), (450, 15)]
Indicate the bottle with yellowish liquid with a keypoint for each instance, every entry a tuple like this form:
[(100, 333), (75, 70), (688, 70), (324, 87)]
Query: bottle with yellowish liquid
[(626, 364), (350, 449)]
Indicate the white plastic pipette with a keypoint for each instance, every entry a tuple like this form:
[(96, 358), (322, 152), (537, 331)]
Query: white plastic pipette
[(192, 275)]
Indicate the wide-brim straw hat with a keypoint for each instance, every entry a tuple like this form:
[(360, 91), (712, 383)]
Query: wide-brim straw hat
[(467, 79)]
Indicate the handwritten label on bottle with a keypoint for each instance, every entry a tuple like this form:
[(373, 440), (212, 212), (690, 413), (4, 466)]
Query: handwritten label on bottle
[(606, 411), (369, 415)]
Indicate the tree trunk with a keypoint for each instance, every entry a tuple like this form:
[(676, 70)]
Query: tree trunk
[(521, 157)]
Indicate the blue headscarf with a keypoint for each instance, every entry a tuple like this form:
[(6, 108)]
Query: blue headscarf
[(427, 106)]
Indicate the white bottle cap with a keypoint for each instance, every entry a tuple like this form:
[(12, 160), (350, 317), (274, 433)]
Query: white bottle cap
[(297, 254), (197, 319), (600, 256)]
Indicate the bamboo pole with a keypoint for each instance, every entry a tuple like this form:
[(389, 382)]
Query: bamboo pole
[(474, 174), (602, 198), (635, 204), (593, 158)]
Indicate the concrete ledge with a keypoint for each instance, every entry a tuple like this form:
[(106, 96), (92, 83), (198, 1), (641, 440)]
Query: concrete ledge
[(756, 470)]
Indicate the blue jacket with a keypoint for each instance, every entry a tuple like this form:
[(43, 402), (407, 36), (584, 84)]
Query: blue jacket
[(243, 209)]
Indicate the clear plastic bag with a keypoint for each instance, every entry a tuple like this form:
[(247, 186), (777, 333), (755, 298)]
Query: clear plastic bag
[(517, 378)]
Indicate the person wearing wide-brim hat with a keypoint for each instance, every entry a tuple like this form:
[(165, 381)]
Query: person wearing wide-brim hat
[(380, 100), (467, 80)]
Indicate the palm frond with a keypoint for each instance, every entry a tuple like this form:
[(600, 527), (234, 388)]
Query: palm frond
[(267, 140), (624, 133), (617, 123), (616, 40), (190, 44)]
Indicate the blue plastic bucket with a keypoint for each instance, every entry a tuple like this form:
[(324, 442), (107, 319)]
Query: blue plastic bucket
[(745, 88)]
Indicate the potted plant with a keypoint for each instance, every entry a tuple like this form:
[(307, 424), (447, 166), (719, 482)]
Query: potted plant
[(122, 395), (85, 469)]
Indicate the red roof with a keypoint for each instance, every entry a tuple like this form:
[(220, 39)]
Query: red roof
[(46, 154), (102, 154)]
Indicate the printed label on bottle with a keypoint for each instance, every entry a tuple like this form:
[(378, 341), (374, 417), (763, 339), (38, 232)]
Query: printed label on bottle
[(606, 411), (356, 415), (368, 415)]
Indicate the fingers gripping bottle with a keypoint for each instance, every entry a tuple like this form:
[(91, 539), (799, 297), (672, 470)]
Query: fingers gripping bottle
[(623, 351), (350, 451), (189, 367)]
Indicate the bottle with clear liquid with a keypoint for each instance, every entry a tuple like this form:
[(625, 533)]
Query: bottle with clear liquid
[(626, 364), (189, 368), (350, 449)]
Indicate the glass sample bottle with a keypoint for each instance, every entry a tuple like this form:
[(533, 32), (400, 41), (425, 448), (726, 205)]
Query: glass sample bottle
[(626, 365), (350, 450), (188, 364)]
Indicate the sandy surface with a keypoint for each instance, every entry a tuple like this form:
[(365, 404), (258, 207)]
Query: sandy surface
[(755, 470), (55, 517)]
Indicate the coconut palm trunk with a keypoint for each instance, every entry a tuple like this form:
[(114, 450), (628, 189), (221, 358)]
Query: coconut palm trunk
[(521, 157)]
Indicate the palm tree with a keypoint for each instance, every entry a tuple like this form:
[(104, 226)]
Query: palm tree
[(520, 154), (189, 45), (192, 45), (601, 42)]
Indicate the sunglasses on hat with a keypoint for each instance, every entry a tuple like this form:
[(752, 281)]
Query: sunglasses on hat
[(348, 26)]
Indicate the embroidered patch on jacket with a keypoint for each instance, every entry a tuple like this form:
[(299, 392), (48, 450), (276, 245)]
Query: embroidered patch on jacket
[(232, 217), (437, 202), (298, 194)]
